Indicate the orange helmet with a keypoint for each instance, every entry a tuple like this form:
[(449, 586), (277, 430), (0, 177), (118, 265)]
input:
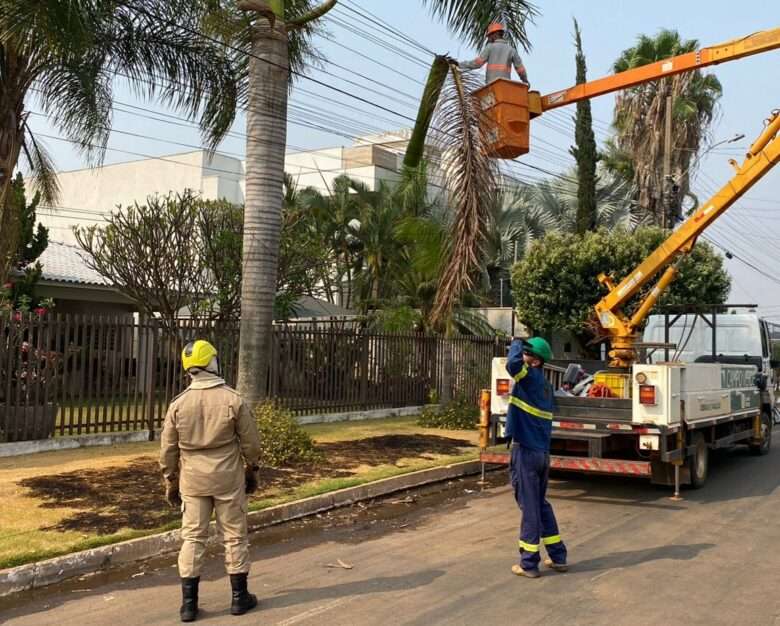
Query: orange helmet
[(495, 27)]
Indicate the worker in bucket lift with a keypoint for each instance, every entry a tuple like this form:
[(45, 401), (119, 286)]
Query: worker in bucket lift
[(499, 55), (529, 428), (209, 455)]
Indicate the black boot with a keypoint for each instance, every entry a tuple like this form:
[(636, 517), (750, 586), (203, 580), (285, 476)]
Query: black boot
[(243, 601), (189, 599)]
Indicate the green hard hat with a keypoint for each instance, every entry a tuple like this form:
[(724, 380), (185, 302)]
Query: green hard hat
[(539, 348)]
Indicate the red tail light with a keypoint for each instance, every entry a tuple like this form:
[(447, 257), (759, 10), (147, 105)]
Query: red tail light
[(503, 386), (647, 394)]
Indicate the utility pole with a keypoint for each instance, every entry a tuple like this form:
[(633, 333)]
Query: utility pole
[(666, 199)]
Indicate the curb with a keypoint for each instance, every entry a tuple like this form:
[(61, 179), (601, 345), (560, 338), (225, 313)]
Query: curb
[(43, 573)]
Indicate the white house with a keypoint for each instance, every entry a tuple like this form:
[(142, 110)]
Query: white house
[(89, 194)]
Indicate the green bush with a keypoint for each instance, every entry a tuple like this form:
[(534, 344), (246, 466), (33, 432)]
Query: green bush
[(460, 414), (282, 440)]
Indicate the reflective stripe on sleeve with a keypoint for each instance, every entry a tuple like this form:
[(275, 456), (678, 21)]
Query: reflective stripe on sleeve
[(532, 410), (522, 373)]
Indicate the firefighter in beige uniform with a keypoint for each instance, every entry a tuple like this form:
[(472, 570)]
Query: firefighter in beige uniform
[(209, 455)]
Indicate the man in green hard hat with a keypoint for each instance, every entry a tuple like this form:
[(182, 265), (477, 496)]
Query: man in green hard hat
[(529, 427)]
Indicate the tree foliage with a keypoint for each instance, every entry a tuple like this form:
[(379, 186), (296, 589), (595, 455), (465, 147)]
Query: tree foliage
[(469, 19), (639, 120), (70, 53), (584, 151), (556, 285), (24, 241), (150, 252), (471, 180), (178, 251)]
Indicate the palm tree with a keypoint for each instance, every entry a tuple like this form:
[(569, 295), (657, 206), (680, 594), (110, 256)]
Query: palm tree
[(525, 213), (67, 53), (278, 45), (639, 119)]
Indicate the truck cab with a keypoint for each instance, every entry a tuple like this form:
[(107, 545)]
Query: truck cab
[(729, 338)]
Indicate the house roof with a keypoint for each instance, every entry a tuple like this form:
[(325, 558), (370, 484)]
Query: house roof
[(65, 263), (306, 306)]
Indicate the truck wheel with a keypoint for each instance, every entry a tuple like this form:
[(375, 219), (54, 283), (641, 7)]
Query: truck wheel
[(766, 434), (699, 461)]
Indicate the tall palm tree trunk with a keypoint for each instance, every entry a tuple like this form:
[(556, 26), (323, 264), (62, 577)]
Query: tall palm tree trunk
[(266, 138), (11, 138)]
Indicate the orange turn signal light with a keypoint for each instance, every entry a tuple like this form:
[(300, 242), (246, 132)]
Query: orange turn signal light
[(647, 394), (503, 386)]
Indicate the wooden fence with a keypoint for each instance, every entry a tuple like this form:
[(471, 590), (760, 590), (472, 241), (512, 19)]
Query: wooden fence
[(70, 375)]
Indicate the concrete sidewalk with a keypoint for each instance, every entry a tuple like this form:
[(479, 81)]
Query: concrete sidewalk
[(444, 558)]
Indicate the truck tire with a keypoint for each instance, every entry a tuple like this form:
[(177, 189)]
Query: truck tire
[(699, 461), (766, 431)]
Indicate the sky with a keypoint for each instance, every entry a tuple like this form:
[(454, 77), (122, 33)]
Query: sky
[(371, 79)]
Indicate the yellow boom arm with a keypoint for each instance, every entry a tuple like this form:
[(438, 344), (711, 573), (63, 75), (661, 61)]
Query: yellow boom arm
[(762, 156)]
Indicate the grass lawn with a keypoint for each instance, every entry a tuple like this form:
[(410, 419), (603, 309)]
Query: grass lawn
[(70, 500)]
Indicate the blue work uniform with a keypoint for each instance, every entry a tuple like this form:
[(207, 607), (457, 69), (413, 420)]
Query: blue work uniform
[(529, 425)]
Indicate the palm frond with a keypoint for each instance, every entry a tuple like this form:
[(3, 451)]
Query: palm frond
[(471, 178), (42, 170), (469, 19)]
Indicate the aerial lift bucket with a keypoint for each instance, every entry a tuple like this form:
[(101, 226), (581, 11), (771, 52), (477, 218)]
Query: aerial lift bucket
[(507, 107)]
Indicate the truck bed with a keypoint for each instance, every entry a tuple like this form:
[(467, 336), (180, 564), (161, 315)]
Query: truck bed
[(595, 410)]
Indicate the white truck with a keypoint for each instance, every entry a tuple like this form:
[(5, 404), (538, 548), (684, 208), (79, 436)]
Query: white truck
[(715, 390)]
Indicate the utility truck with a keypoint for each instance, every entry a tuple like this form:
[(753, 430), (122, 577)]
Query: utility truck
[(707, 381), (665, 402)]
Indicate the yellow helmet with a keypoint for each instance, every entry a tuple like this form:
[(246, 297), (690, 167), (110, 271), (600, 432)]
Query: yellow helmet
[(197, 353)]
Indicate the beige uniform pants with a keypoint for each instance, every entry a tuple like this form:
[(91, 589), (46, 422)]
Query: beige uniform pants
[(230, 509)]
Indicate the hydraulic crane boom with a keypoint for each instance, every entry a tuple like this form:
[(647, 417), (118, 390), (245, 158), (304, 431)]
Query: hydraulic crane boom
[(510, 106), (756, 43), (762, 156)]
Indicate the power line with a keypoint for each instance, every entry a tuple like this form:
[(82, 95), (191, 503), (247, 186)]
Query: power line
[(366, 14)]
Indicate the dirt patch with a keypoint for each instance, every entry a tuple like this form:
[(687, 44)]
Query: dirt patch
[(131, 496)]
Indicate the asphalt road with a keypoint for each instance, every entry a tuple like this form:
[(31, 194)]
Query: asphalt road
[(444, 558)]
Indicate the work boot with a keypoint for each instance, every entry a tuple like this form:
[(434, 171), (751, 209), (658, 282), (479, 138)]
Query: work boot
[(243, 601), (189, 599), (558, 567), (528, 573)]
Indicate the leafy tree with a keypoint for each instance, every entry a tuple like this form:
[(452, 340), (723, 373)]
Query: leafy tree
[(585, 151), (27, 242), (178, 251), (150, 252), (556, 285), (301, 255), (523, 214), (639, 120)]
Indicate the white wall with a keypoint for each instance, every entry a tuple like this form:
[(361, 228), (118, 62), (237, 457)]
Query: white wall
[(88, 195)]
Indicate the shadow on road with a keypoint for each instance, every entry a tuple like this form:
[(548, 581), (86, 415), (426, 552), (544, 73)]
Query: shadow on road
[(630, 558), (381, 584), (631, 492), (733, 475), (736, 474)]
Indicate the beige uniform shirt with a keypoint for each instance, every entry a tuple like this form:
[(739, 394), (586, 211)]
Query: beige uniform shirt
[(208, 436)]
